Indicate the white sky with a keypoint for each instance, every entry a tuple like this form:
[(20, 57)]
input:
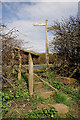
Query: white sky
[(39, 0), (24, 15)]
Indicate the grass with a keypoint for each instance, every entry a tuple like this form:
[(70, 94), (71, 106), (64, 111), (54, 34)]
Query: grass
[(62, 98), (72, 92)]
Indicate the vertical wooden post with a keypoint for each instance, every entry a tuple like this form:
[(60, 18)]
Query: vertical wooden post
[(30, 74), (47, 50), (19, 68), (12, 61)]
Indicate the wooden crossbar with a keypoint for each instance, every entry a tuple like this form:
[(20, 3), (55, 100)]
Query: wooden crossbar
[(27, 51)]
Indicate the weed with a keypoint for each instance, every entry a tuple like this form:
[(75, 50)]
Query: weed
[(22, 93), (70, 114), (6, 96)]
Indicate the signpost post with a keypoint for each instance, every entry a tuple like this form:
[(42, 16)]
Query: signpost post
[(47, 49)]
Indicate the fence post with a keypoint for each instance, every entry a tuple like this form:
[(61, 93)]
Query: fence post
[(19, 68), (12, 61), (30, 74)]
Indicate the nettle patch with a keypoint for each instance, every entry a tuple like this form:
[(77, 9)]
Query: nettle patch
[(6, 97), (22, 93), (44, 113)]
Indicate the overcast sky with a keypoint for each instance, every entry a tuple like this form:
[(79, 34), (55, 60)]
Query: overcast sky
[(22, 15)]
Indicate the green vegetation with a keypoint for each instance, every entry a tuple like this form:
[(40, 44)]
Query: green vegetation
[(23, 93), (6, 97), (31, 103), (73, 92), (44, 113), (62, 98)]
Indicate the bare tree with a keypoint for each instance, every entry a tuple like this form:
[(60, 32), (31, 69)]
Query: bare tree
[(66, 40), (8, 39)]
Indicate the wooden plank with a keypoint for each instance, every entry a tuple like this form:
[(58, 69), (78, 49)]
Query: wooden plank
[(30, 74), (19, 68), (52, 27), (39, 24), (27, 51)]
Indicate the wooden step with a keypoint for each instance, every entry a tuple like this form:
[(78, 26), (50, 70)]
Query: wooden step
[(46, 94), (42, 92), (66, 80), (61, 108), (38, 84)]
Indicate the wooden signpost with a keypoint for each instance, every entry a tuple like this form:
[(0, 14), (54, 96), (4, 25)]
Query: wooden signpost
[(47, 50)]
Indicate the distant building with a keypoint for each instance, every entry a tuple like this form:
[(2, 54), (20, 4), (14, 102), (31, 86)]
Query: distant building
[(78, 9)]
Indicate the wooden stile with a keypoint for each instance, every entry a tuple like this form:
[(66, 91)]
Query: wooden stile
[(31, 55)]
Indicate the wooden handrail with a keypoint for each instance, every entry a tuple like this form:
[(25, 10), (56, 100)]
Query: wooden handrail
[(45, 82), (26, 51)]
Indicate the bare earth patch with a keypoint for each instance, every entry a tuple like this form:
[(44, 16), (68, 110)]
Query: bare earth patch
[(61, 108)]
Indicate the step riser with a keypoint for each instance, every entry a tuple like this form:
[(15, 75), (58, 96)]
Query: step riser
[(46, 94), (38, 84)]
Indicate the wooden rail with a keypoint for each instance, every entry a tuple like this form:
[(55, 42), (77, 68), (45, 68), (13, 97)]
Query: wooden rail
[(25, 69), (39, 78), (74, 72), (45, 82)]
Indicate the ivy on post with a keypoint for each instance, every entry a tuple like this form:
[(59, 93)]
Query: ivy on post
[(19, 68), (30, 74)]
